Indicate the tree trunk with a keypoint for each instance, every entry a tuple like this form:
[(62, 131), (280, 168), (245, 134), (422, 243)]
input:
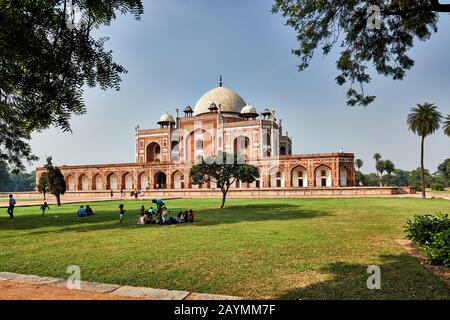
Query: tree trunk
[(224, 196), (58, 200), (424, 196)]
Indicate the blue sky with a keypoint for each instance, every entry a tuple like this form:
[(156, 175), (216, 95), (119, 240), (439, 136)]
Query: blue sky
[(180, 47)]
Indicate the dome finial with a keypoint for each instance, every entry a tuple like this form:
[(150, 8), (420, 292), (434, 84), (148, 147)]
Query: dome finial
[(220, 80)]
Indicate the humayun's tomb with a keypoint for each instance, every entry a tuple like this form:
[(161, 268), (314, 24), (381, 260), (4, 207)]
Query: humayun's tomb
[(220, 121)]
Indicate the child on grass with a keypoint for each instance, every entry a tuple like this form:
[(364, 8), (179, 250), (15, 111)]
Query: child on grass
[(121, 212), (43, 208)]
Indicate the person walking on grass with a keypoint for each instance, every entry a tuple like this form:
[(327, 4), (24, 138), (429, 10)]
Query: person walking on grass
[(121, 212), (43, 208), (12, 203)]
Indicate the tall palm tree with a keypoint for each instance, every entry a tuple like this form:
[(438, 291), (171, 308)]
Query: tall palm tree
[(447, 125), (381, 167), (389, 167), (424, 120), (376, 157), (358, 163)]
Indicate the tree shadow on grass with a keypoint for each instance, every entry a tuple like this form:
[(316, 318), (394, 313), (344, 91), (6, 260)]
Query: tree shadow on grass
[(109, 219), (402, 277)]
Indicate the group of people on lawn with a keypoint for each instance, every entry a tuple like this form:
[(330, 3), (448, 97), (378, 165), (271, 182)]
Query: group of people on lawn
[(85, 212), (159, 216), (162, 215)]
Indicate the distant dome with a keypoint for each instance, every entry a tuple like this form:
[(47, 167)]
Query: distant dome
[(188, 109), (228, 101), (248, 109), (166, 118)]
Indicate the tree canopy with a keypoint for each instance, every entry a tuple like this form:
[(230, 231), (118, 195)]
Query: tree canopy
[(52, 181), (48, 56), (376, 33), (224, 169)]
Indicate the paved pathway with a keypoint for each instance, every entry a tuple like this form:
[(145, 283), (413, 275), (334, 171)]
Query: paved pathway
[(15, 286)]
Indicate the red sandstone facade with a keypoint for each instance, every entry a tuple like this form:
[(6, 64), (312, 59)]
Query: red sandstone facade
[(220, 121)]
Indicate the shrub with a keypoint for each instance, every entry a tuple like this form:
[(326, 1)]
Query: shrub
[(437, 186), (438, 252), (432, 234)]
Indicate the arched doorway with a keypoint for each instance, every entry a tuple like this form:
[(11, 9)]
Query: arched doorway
[(198, 145), (178, 180), (127, 181), (153, 152), (276, 178), (112, 182), (241, 146), (257, 182), (299, 177), (97, 182), (83, 182), (323, 176), (344, 175), (143, 181), (70, 183), (160, 180)]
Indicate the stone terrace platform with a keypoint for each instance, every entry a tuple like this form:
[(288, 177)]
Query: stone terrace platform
[(29, 287)]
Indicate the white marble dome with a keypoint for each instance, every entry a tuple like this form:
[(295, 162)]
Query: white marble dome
[(228, 100), (166, 118), (248, 110)]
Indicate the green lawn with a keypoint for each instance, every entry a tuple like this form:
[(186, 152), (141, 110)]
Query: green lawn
[(258, 248)]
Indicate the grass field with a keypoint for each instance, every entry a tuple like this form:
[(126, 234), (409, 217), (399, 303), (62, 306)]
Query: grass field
[(257, 248)]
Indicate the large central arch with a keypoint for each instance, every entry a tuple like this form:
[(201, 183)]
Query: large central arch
[(153, 152), (198, 145)]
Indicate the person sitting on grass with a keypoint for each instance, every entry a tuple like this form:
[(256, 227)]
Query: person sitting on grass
[(121, 212), (186, 216), (142, 211), (43, 208), (151, 212), (81, 212), (191, 216), (159, 205), (180, 217), (148, 219), (141, 219), (89, 211)]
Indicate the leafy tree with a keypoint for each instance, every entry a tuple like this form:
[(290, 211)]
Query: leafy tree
[(389, 167), (381, 167), (400, 178), (5, 178), (444, 171), (224, 169), (42, 186), (447, 125), (352, 25), (47, 59), (420, 179), (23, 181), (371, 180), (424, 120), (52, 181)]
